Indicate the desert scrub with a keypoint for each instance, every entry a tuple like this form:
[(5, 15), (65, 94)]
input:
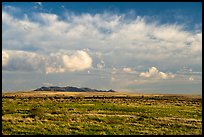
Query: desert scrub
[(37, 111), (102, 116)]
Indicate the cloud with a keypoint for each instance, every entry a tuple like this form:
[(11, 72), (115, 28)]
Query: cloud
[(118, 40), (163, 75), (101, 65), (154, 73), (127, 70), (113, 78), (54, 70), (67, 61), (23, 61), (47, 18), (191, 78), (77, 61), (39, 3), (114, 70), (47, 84), (5, 58)]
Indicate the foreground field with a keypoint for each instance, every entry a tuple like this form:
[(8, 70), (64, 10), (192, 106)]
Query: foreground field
[(100, 113)]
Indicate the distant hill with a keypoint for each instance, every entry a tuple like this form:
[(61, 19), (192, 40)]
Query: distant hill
[(71, 89)]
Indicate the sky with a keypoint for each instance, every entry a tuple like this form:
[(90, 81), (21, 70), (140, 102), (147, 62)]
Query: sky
[(137, 47)]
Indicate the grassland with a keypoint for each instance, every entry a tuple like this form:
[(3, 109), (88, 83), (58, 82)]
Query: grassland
[(81, 113)]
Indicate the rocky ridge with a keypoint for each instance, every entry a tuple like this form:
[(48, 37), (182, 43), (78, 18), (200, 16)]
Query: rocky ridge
[(71, 89)]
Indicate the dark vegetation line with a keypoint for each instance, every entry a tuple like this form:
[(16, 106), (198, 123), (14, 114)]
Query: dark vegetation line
[(177, 98)]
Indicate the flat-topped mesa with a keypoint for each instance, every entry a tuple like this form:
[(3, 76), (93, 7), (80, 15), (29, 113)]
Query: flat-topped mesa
[(71, 89)]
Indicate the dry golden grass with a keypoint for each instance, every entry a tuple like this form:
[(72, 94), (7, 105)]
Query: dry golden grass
[(88, 94)]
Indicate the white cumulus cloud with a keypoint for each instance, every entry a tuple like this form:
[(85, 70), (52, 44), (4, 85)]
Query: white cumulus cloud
[(127, 70), (154, 72), (77, 61), (53, 63)]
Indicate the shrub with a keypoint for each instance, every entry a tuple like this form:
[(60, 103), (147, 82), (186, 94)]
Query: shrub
[(9, 111), (37, 112)]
